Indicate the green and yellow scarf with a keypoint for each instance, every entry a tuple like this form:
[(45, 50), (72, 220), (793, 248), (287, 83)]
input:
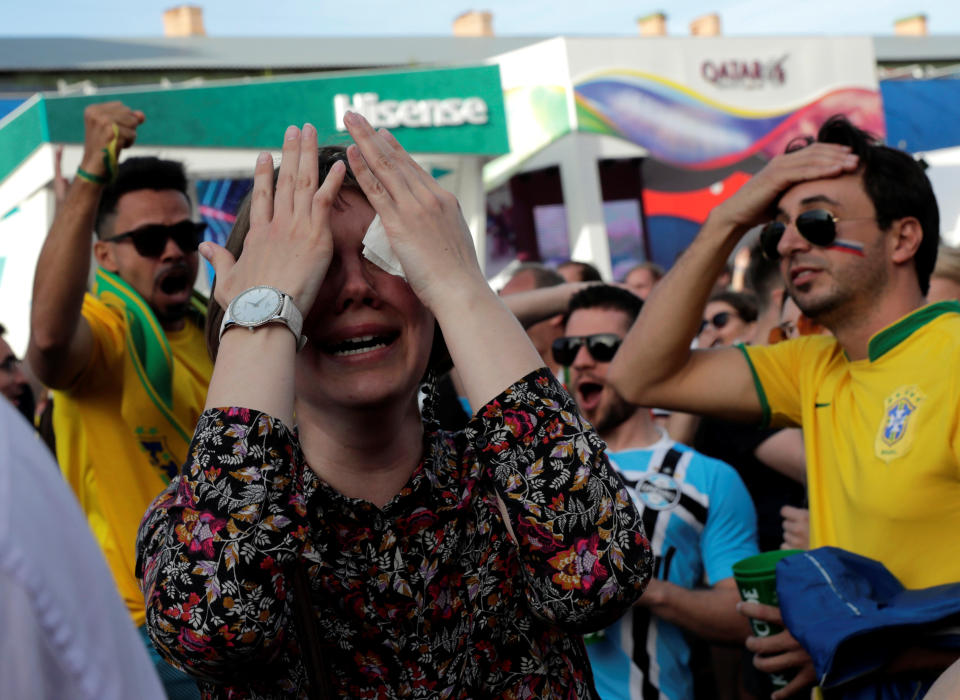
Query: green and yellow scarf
[(147, 405)]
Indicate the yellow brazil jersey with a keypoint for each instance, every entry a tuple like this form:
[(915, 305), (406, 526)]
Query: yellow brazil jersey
[(882, 439), (115, 470)]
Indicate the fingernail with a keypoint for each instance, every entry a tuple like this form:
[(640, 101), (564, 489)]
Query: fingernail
[(264, 157), (291, 133), (308, 128), (204, 249), (350, 117), (739, 605)]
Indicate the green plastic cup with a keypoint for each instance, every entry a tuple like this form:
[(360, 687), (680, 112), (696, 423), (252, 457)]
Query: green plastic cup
[(756, 578)]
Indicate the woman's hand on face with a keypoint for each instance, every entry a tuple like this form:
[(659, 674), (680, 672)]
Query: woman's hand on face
[(289, 245), (423, 221)]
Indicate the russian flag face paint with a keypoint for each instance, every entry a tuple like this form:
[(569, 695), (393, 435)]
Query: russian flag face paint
[(817, 226), (851, 247)]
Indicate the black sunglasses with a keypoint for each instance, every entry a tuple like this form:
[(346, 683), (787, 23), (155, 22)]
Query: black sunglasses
[(601, 346), (817, 225), (150, 241), (718, 321)]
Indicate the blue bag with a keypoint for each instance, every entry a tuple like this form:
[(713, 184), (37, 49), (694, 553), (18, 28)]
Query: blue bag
[(853, 617)]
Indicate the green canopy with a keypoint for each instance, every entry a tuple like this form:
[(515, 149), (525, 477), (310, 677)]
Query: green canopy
[(448, 110)]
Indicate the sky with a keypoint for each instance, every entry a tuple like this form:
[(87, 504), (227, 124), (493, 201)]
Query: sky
[(231, 18)]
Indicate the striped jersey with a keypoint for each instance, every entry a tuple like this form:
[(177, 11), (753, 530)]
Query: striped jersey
[(700, 520)]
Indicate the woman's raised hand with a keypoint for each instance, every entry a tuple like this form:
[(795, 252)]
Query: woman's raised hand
[(431, 240), (423, 221), (289, 245)]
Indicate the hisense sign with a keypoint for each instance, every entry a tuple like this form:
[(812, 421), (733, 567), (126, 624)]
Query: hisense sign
[(412, 114)]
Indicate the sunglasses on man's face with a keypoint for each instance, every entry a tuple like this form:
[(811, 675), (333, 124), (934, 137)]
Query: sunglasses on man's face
[(601, 346), (150, 241), (818, 226), (718, 321)]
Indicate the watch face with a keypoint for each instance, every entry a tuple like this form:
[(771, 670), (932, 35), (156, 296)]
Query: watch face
[(256, 305)]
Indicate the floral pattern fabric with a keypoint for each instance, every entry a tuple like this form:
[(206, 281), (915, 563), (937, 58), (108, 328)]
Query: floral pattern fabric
[(430, 596)]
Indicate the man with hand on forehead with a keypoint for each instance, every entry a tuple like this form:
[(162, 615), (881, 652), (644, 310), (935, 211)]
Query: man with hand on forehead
[(855, 228), (128, 359)]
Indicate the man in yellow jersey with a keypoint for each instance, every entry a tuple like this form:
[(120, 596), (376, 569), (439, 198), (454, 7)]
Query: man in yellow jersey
[(855, 227), (127, 359)]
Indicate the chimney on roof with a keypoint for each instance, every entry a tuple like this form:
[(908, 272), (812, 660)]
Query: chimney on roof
[(183, 20), (474, 23), (915, 25), (652, 25), (706, 25)]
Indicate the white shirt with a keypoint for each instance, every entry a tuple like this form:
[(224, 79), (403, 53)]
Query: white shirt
[(64, 632)]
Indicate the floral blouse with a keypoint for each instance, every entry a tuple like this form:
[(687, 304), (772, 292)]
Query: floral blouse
[(429, 596)]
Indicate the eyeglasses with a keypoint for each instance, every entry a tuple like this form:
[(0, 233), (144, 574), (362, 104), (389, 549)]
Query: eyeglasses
[(718, 321), (150, 241), (601, 346), (817, 225)]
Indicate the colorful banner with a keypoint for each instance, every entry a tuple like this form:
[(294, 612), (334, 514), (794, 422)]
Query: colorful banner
[(711, 112), (683, 128)]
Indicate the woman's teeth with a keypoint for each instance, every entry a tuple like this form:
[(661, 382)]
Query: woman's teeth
[(357, 346)]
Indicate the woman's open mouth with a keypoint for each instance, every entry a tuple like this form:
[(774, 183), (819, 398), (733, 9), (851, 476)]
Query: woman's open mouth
[(360, 344)]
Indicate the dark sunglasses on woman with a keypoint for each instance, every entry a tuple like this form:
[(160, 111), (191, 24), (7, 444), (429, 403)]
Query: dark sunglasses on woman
[(817, 225), (601, 346), (150, 241), (718, 321)]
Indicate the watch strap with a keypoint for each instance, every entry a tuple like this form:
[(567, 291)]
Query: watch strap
[(291, 317)]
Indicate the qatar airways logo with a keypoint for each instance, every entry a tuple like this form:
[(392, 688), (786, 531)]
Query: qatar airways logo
[(752, 75), (411, 113)]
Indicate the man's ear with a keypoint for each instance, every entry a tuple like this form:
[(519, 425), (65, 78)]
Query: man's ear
[(907, 236), (105, 255)]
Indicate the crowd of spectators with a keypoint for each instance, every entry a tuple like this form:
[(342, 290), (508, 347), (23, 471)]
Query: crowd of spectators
[(332, 480)]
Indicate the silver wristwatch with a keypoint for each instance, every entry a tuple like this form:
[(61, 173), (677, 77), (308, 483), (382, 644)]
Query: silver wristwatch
[(260, 305)]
